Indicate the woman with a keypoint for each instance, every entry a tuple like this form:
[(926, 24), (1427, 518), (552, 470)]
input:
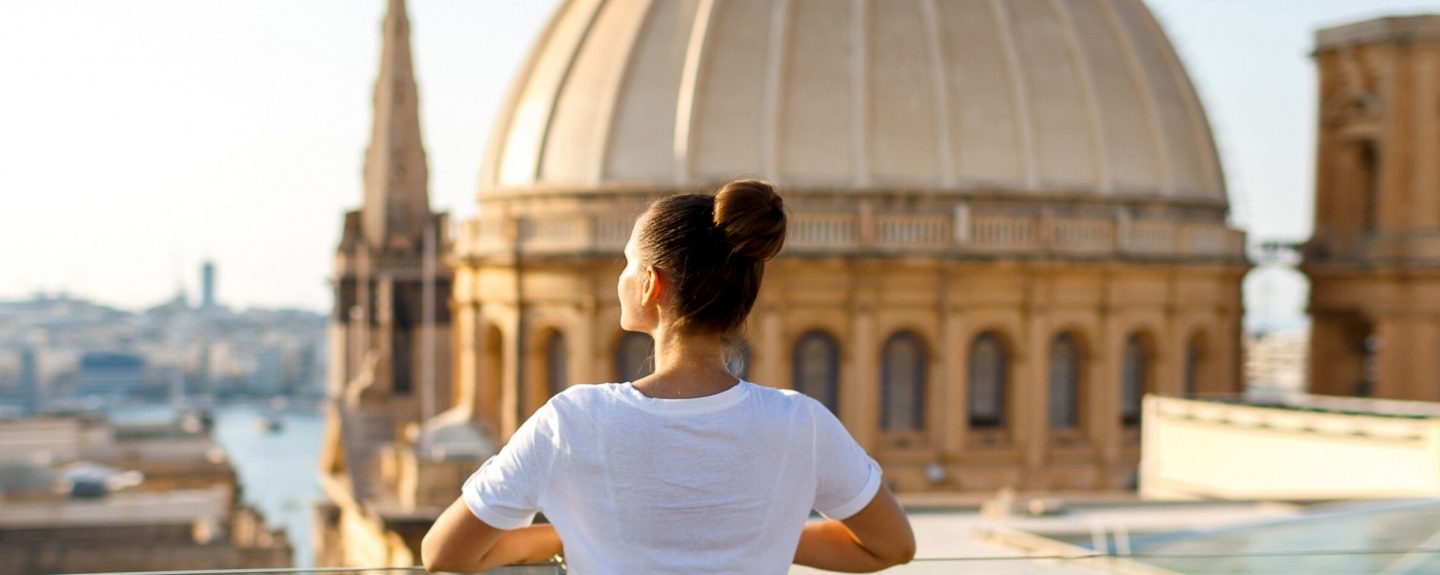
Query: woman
[(688, 469)]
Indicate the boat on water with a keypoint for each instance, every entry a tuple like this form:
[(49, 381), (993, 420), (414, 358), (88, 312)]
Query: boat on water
[(269, 424)]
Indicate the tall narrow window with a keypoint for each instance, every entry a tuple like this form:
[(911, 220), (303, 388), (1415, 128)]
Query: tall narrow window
[(987, 382), (1134, 379), (903, 384), (737, 359), (634, 357), (1195, 365), (1065, 365), (1369, 367), (817, 368), (557, 372), (1369, 160)]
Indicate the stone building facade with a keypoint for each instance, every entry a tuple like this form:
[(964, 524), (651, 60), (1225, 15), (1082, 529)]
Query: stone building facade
[(1008, 221), (1374, 259)]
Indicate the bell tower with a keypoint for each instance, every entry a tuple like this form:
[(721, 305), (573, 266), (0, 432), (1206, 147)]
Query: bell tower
[(1374, 259)]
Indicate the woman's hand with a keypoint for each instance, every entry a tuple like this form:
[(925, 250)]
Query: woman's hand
[(461, 542), (877, 537)]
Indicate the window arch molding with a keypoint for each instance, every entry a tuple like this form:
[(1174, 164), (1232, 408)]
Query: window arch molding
[(1067, 362), (545, 367), (1198, 361), (815, 359), (1139, 353), (556, 354), (904, 381), (990, 370)]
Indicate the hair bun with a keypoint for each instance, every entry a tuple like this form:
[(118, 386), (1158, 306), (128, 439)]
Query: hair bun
[(751, 218)]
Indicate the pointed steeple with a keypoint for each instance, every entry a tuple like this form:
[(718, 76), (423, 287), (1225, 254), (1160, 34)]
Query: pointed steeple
[(397, 203)]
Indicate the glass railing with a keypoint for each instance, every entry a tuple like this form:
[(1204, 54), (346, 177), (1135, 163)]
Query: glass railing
[(1419, 561)]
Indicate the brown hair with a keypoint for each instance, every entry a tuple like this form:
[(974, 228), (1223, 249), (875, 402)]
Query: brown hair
[(714, 249)]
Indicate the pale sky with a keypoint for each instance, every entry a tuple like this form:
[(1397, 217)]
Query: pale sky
[(139, 137)]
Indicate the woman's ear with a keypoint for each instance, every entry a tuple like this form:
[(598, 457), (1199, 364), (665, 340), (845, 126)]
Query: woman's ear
[(652, 287)]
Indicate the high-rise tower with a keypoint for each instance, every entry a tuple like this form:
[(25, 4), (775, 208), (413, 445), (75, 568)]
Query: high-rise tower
[(207, 285)]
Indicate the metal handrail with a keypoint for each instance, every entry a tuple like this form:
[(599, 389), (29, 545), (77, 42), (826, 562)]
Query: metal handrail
[(967, 559)]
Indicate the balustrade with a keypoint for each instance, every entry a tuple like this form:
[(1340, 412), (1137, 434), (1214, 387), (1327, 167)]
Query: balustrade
[(825, 231), (964, 231), (913, 230), (1084, 236), (994, 232)]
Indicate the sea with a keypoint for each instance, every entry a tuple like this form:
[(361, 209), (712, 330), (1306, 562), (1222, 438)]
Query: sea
[(277, 469)]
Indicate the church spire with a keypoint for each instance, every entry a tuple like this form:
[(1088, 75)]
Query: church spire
[(397, 203)]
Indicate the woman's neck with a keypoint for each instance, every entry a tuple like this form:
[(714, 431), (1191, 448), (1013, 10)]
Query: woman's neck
[(686, 366)]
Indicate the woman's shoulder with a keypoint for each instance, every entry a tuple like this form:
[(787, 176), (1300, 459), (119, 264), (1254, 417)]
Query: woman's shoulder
[(587, 394), (787, 397)]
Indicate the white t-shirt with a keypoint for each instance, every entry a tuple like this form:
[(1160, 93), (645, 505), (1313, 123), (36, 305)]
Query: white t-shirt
[(716, 484)]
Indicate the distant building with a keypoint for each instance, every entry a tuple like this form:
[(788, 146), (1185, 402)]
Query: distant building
[(78, 494), (1289, 447), (111, 373), (207, 285), (1277, 360), (29, 385), (1373, 258)]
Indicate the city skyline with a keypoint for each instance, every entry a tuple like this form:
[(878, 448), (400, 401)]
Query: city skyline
[(271, 115)]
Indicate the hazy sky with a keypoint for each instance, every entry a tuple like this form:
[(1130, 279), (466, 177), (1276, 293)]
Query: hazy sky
[(139, 137)]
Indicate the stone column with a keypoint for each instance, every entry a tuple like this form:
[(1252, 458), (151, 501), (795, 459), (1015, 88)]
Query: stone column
[(1406, 358), (955, 353), (465, 393), (860, 405), (1105, 393), (581, 339), (1032, 396), (1335, 362), (769, 355)]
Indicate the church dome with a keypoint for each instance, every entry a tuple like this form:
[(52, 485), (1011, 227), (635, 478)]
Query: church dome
[(1084, 98)]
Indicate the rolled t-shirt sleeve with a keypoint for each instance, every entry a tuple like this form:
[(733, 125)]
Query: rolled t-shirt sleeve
[(846, 478), (505, 492)]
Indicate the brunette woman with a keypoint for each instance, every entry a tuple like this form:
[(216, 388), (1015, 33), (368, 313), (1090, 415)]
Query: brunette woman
[(689, 469)]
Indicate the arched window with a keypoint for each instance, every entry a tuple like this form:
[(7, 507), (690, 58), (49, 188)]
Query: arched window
[(903, 384), (1064, 382), (634, 357), (557, 374), (1195, 364), (987, 381), (737, 360), (1134, 379), (817, 368)]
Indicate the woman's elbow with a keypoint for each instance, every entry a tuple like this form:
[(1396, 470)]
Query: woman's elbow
[(432, 554), (899, 552), (906, 553)]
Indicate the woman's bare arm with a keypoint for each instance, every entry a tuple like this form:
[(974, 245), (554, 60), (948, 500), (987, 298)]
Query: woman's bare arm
[(460, 542), (877, 537)]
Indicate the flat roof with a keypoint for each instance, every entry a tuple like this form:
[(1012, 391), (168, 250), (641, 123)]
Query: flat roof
[(1296, 401), (118, 509)]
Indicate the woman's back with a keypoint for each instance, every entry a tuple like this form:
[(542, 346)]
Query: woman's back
[(716, 484), (686, 470)]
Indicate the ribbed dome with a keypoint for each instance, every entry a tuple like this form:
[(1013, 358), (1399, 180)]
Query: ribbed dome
[(1073, 96)]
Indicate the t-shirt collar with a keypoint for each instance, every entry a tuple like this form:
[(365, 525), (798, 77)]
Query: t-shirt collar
[(687, 406)]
